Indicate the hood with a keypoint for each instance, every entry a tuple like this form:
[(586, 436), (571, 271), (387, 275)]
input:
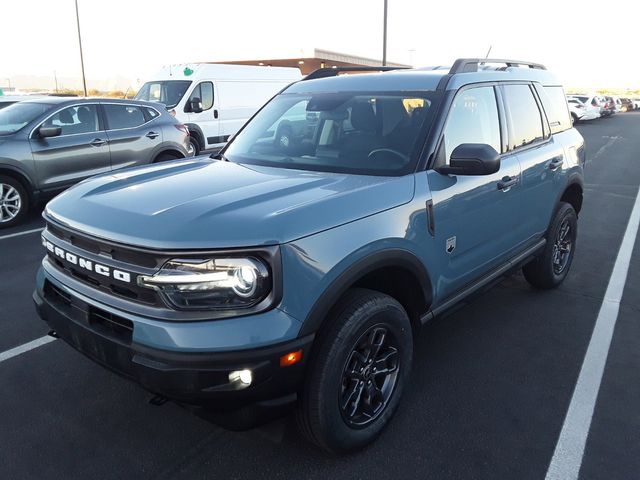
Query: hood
[(202, 203)]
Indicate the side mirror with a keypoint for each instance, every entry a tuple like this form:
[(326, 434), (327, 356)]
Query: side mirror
[(46, 132), (472, 159), (196, 105)]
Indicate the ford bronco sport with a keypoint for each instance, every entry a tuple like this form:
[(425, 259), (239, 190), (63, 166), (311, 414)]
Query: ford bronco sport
[(295, 269)]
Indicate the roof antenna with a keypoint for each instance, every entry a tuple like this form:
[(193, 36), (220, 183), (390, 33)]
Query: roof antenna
[(488, 52)]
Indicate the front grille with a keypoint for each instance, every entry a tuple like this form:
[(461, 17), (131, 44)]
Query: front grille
[(103, 247), (111, 325), (112, 255)]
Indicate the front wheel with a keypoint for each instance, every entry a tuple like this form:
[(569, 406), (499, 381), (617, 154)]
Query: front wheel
[(551, 267), (14, 202), (361, 364), (194, 146)]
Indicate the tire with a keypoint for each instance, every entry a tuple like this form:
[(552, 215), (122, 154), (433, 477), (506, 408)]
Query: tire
[(195, 144), (548, 270), (361, 318), (14, 202), (166, 157)]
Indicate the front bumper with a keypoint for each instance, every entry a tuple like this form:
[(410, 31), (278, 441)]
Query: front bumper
[(196, 378)]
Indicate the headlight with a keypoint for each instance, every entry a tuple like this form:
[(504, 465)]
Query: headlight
[(220, 283)]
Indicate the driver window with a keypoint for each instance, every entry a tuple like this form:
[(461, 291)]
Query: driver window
[(204, 93), (76, 119), (473, 118)]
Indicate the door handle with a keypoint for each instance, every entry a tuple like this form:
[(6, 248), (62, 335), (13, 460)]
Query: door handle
[(507, 182), (152, 135), (98, 142), (556, 162), (215, 113)]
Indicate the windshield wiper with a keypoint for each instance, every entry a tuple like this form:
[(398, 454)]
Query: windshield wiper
[(219, 156)]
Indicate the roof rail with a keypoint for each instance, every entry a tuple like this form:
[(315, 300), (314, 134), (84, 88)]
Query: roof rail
[(333, 72), (463, 65)]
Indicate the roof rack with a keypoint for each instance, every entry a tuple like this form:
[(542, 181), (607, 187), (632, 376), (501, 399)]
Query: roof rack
[(333, 72), (463, 65)]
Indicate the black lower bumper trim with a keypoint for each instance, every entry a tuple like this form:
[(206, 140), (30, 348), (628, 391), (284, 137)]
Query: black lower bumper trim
[(200, 378)]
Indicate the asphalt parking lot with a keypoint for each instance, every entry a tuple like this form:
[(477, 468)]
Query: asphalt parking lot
[(489, 393)]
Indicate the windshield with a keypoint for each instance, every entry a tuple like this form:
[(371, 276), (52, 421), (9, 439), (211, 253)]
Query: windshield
[(16, 116), (368, 134), (169, 92)]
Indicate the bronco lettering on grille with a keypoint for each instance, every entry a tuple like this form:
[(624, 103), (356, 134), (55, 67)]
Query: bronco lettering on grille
[(86, 264)]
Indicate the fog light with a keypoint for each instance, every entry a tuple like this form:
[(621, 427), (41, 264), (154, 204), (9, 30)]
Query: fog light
[(242, 377)]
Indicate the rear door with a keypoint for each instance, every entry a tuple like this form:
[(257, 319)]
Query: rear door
[(208, 119), (80, 151), (134, 136), (475, 215), (541, 156)]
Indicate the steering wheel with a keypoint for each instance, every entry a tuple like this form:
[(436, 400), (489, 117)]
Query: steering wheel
[(377, 151)]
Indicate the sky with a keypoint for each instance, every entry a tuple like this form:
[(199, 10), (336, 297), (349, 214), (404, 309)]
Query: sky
[(125, 42)]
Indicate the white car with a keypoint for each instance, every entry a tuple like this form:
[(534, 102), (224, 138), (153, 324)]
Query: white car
[(593, 105), (215, 100), (576, 109)]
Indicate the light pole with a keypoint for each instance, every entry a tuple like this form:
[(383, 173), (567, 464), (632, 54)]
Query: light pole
[(384, 36), (84, 81)]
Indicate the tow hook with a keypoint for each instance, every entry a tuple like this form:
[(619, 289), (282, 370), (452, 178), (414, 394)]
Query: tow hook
[(53, 333)]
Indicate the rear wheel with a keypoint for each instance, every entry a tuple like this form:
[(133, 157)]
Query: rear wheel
[(355, 381), (14, 201), (551, 267), (194, 145)]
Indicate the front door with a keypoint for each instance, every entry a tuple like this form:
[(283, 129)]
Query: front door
[(473, 215), (206, 117), (80, 151)]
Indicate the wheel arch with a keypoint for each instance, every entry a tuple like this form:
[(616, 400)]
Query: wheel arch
[(196, 132), (573, 194), (395, 272), (170, 151), (21, 177)]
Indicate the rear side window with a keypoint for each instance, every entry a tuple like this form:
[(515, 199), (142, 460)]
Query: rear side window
[(123, 116), (473, 118), (525, 116), (555, 106)]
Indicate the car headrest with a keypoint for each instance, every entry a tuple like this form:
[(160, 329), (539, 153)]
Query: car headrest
[(85, 115), (65, 117), (363, 117)]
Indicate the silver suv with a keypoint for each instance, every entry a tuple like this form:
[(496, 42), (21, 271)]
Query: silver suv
[(48, 144)]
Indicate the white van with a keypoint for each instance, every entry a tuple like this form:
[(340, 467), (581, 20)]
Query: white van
[(215, 100)]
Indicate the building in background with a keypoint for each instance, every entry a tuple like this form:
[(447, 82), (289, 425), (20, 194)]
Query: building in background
[(314, 59)]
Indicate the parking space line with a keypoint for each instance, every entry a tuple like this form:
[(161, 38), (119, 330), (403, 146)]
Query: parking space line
[(18, 234), (14, 352), (567, 457)]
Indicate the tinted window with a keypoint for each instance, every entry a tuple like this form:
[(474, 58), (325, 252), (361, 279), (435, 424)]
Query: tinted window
[(555, 106), (203, 92), (473, 118), (525, 115), (151, 113), (74, 120), (350, 132), (123, 116)]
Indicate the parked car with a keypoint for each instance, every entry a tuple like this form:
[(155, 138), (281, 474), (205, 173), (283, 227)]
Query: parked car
[(215, 100), (636, 103), (626, 105), (296, 274), (576, 109), (48, 144), (593, 105), (610, 107)]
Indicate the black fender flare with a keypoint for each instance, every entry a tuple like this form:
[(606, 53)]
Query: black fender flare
[(199, 135), (393, 257)]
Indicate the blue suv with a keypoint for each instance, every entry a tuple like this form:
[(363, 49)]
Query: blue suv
[(296, 267)]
